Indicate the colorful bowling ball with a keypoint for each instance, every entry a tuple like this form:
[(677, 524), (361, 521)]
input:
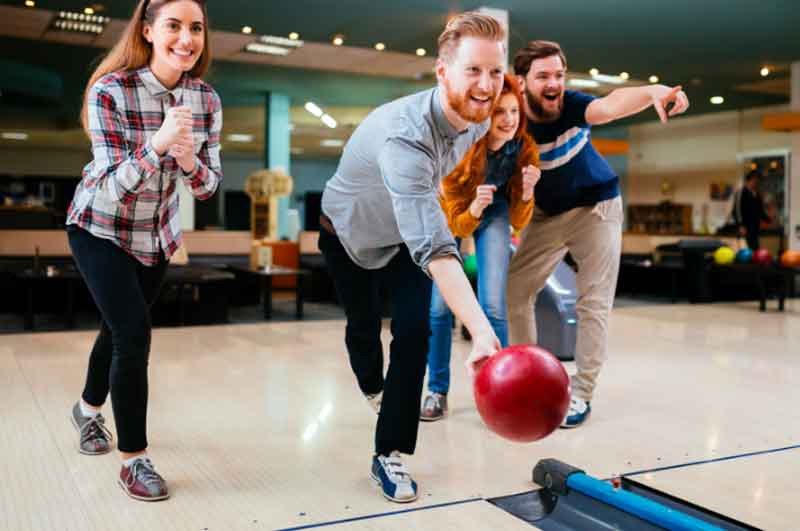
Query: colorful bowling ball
[(790, 259), (471, 265), (522, 393), (744, 256), (724, 255), (762, 257)]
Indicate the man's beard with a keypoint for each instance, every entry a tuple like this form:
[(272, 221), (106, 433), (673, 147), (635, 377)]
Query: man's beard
[(460, 104), (536, 107)]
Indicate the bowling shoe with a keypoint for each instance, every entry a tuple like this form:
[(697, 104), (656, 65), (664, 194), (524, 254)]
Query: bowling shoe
[(577, 414), (434, 407), (391, 475)]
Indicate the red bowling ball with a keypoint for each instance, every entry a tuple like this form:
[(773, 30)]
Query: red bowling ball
[(522, 393), (762, 256)]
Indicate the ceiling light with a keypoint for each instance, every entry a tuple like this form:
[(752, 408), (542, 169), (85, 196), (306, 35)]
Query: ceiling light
[(331, 142), (257, 47), (329, 121), (30, 3), (88, 11), (653, 79), (583, 83), (294, 35), (594, 72), (716, 100), (380, 46), (80, 22), (240, 137), (14, 136), (338, 40), (764, 72), (313, 109), (247, 30), (421, 52), (624, 75), (281, 41), (613, 80)]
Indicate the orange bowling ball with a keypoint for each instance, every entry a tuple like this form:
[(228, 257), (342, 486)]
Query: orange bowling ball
[(522, 393), (790, 259)]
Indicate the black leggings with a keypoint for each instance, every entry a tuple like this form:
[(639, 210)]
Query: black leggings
[(123, 290)]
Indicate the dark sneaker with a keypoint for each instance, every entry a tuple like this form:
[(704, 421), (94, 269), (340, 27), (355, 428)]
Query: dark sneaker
[(140, 481), (393, 477), (434, 407), (577, 414), (95, 438)]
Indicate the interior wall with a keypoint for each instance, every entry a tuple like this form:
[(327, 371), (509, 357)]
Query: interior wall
[(692, 152)]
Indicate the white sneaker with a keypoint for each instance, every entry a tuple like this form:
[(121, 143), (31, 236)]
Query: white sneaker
[(394, 479), (577, 413), (374, 401)]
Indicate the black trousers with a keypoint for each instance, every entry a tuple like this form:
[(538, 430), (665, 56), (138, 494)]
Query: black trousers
[(123, 290), (410, 293), (753, 236)]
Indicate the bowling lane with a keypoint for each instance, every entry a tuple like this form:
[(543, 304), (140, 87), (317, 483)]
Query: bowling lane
[(758, 490)]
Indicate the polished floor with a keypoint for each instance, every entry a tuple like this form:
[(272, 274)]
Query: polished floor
[(261, 426)]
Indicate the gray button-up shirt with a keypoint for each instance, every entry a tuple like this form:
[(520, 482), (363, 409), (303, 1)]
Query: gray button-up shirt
[(385, 191)]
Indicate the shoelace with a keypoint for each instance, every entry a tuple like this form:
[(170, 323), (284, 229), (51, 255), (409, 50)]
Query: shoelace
[(437, 401), (143, 470), (395, 468), (574, 406), (95, 428)]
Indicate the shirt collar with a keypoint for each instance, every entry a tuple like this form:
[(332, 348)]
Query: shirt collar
[(156, 89)]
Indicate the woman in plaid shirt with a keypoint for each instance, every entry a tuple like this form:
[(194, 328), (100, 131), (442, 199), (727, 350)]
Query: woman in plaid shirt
[(152, 120)]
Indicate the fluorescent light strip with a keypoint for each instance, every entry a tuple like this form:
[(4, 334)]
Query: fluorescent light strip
[(583, 83), (614, 80), (313, 109), (281, 41), (331, 142), (329, 121), (257, 47), (14, 136), (240, 137)]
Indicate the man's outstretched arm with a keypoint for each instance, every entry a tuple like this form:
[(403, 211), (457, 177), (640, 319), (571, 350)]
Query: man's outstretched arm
[(628, 101)]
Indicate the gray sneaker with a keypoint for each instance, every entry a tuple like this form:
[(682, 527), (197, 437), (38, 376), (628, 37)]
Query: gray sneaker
[(94, 436), (434, 407)]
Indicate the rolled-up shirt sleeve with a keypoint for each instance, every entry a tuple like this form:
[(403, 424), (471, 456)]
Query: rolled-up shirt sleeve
[(408, 171)]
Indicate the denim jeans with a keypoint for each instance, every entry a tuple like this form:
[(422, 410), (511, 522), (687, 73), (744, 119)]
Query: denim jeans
[(492, 250)]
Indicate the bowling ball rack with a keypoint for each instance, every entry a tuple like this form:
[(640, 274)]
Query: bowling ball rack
[(569, 499)]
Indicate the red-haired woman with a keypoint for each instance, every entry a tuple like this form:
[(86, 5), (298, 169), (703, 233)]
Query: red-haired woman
[(490, 189), (152, 121)]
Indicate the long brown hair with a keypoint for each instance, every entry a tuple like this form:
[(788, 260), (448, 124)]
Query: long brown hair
[(458, 187), (132, 51)]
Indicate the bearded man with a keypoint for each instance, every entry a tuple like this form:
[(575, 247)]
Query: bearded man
[(578, 206), (382, 225)]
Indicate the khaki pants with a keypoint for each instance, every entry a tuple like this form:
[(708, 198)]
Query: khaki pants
[(593, 236)]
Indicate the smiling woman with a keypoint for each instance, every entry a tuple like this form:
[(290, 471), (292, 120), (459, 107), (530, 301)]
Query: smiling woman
[(152, 120)]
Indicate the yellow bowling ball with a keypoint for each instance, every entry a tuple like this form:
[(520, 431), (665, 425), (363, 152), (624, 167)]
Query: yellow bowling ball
[(724, 255)]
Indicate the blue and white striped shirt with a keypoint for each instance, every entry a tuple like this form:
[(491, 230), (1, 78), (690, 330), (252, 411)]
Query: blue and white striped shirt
[(573, 172)]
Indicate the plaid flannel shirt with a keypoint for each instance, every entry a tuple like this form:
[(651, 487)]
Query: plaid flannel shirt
[(128, 193)]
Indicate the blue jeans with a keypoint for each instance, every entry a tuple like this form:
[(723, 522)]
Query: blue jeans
[(492, 250)]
